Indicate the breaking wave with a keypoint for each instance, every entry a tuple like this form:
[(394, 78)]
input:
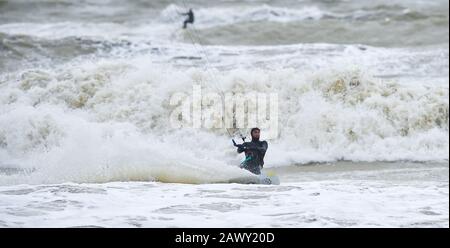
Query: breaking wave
[(110, 120)]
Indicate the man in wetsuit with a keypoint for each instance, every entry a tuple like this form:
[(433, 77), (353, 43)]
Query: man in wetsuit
[(190, 18), (254, 152)]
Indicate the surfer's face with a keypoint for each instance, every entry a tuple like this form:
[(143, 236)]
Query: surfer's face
[(256, 134)]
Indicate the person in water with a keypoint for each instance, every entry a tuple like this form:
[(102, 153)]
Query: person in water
[(190, 18), (254, 152)]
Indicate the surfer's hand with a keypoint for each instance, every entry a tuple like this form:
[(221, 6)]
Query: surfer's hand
[(241, 148)]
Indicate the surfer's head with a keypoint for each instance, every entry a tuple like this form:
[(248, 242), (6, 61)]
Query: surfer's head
[(255, 133)]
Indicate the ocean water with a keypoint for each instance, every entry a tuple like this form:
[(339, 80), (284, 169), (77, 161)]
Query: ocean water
[(85, 121)]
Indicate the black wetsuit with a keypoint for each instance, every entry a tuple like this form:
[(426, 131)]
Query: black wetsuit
[(190, 18), (254, 155)]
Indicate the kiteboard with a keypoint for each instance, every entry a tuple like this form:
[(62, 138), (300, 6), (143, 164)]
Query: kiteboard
[(265, 178)]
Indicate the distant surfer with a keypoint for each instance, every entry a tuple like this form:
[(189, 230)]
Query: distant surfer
[(190, 18), (254, 152)]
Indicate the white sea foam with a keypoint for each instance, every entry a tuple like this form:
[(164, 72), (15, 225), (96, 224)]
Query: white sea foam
[(321, 203), (109, 120)]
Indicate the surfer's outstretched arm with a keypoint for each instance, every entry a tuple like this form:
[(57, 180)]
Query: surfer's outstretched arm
[(242, 147), (240, 150), (261, 149)]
